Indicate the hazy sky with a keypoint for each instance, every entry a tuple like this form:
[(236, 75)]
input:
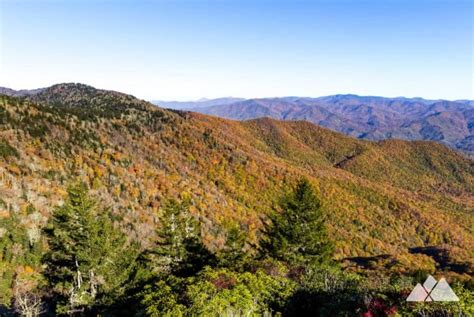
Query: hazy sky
[(191, 49)]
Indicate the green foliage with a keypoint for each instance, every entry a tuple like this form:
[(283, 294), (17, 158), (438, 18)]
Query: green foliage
[(217, 293), (6, 150), (179, 247), (222, 292), (298, 235), (466, 297), (326, 291), (89, 260), (233, 254), (162, 298), (17, 252)]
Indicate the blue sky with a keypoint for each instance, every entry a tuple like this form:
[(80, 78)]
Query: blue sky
[(185, 50)]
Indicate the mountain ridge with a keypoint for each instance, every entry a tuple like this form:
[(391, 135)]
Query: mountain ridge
[(201, 103), (383, 197), (366, 117)]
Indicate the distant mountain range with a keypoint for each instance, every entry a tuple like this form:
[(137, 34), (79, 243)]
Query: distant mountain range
[(373, 118), (201, 103), (19, 93)]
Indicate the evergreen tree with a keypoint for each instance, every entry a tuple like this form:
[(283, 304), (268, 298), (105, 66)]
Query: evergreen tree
[(297, 233), (179, 248), (89, 260), (233, 255)]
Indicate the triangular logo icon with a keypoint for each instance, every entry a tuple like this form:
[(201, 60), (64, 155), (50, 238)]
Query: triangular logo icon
[(418, 294), (431, 290), (429, 283), (442, 292)]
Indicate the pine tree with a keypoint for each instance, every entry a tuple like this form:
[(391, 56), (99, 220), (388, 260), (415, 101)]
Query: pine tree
[(89, 260), (179, 248), (297, 234), (233, 255)]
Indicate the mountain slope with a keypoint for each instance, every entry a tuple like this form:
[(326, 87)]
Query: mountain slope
[(382, 197), (373, 118)]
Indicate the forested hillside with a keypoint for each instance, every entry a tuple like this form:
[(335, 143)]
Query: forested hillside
[(396, 207)]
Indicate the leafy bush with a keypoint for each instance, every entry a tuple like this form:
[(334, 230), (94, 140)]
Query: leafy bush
[(326, 291), (218, 292)]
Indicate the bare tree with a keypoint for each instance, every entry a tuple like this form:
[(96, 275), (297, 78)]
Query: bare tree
[(26, 301)]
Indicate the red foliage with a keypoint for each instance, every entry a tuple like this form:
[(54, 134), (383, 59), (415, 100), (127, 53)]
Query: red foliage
[(379, 308), (224, 282)]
